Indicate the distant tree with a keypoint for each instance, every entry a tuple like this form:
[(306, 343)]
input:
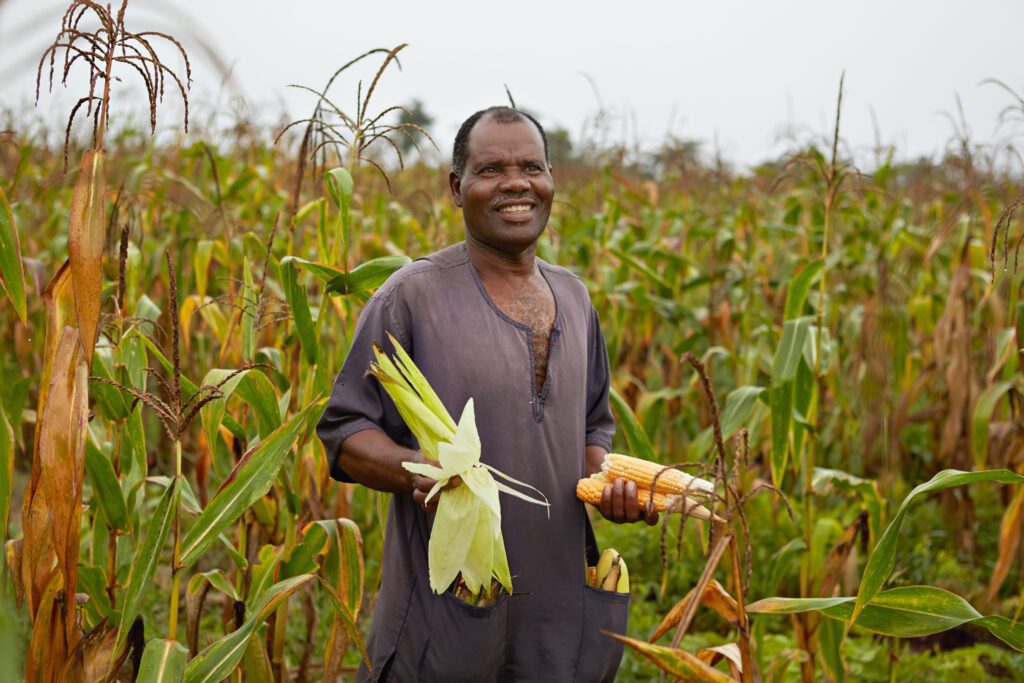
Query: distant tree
[(559, 146)]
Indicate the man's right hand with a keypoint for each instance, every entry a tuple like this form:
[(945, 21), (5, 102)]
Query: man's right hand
[(421, 487)]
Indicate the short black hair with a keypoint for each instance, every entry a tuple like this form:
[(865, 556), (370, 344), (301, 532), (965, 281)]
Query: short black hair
[(500, 115)]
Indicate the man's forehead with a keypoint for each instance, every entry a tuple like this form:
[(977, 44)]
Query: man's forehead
[(490, 137)]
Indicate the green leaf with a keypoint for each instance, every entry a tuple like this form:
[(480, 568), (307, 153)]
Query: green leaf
[(796, 293), (6, 471), (109, 399), (93, 582), (983, 409), (883, 556), (635, 435), (163, 661), (212, 415), (803, 394), (303, 557), (366, 276), (790, 349), (825, 479), (258, 391), (248, 315), (145, 560), (216, 579), (12, 273), (780, 398), (906, 612), (219, 659), (339, 185), (106, 487), (251, 478), (739, 406), (831, 635), (295, 294), (347, 619)]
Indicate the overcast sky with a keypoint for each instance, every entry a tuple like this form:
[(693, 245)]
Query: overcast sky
[(739, 73)]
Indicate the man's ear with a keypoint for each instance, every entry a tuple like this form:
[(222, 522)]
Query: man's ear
[(455, 185)]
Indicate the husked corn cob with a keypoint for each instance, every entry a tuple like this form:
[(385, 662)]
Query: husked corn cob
[(589, 490), (643, 473)]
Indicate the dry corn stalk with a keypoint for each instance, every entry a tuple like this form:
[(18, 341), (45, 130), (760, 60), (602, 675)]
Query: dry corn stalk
[(590, 489)]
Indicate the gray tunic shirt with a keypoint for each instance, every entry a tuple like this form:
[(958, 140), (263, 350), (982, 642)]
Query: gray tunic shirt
[(438, 309)]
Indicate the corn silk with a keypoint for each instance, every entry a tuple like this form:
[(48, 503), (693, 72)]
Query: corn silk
[(466, 535)]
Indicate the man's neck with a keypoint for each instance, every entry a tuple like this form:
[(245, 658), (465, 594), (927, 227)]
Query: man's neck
[(494, 263)]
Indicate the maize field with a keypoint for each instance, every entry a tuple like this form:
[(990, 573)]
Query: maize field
[(835, 351)]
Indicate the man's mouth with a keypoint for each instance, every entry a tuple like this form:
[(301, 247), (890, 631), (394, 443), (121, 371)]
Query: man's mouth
[(516, 209)]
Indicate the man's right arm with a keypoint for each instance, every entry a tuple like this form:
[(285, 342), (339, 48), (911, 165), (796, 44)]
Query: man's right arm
[(373, 459)]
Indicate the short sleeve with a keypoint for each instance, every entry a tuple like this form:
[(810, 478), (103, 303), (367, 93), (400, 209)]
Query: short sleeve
[(600, 424), (357, 400)]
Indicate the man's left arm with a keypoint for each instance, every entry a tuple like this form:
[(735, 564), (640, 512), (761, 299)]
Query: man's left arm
[(619, 501)]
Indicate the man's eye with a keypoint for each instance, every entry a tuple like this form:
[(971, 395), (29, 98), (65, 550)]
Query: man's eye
[(489, 169), (533, 168)]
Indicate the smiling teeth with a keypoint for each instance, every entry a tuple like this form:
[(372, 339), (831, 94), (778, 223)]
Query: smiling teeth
[(518, 208)]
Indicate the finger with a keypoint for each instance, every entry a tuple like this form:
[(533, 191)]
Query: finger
[(606, 501), (650, 513), (618, 499), (632, 507), (453, 482)]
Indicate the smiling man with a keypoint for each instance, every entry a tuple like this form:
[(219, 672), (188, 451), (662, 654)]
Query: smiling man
[(487, 319)]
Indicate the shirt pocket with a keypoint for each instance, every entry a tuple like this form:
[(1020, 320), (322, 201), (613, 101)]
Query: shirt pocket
[(466, 643), (599, 655)]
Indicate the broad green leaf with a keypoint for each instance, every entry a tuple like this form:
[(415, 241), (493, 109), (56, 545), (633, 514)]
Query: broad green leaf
[(106, 488), (780, 398), (251, 478), (219, 659), (343, 565), (264, 570), (93, 582), (145, 560), (216, 579), (634, 433), (303, 557), (803, 395), (295, 294), (163, 661), (12, 273), (674, 661), (796, 293), (366, 276), (256, 661), (109, 399), (905, 612), (790, 350), (325, 272), (339, 185), (781, 561), (983, 410), (259, 392), (212, 415), (739, 406), (247, 319), (883, 556)]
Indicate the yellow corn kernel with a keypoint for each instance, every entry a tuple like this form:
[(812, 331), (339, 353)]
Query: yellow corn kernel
[(590, 489), (643, 472)]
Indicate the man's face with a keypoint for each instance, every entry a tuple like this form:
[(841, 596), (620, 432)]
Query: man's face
[(506, 188)]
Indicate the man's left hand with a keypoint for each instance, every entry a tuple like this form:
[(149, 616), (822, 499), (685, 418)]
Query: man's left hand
[(619, 503)]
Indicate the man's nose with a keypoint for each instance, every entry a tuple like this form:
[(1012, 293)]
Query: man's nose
[(514, 181)]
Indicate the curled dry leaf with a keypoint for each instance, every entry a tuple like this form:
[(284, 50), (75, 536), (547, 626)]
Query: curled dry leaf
[(715, 597)]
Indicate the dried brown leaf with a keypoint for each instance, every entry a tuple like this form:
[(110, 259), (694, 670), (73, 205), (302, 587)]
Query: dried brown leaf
[(86, 236)]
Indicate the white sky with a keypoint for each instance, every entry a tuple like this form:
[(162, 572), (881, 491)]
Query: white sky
[(735, 72)]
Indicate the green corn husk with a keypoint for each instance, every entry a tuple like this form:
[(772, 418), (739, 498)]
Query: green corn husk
[(466, 537)]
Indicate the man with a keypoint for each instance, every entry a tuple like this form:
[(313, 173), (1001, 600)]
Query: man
[(486, 319)]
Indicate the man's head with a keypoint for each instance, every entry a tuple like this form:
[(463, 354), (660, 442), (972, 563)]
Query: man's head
[(502, 179), (500, 115)]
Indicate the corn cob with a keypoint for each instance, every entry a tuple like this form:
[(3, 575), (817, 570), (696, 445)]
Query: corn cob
[(643, 473), (589, 490)]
